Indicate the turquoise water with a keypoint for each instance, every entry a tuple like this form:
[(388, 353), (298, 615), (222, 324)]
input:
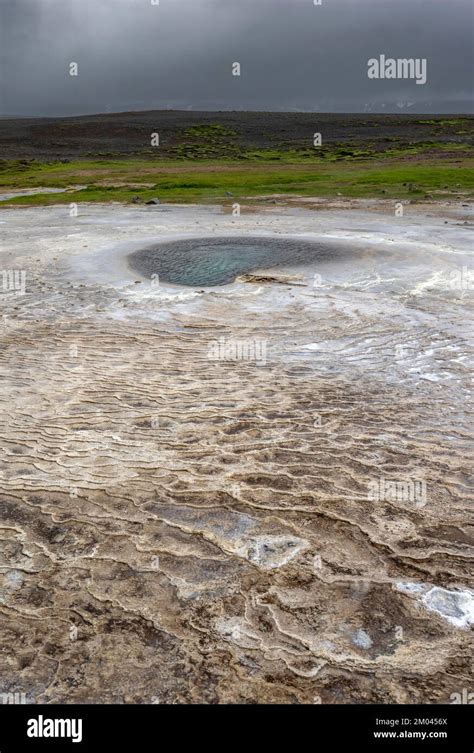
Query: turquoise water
[(209, 262)]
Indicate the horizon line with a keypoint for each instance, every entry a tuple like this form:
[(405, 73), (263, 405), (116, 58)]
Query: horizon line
[(408, 112)]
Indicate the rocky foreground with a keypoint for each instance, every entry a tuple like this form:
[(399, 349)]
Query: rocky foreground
[(183, 524)]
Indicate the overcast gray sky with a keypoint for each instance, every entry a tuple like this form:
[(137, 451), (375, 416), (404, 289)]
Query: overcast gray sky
[(133, 55)]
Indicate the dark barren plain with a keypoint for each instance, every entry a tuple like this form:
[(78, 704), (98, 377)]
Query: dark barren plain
[(126, 134)]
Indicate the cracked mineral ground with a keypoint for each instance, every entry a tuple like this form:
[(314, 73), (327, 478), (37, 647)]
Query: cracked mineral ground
[(182, 529)]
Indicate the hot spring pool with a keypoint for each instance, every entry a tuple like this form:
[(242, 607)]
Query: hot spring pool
[(218, 261)]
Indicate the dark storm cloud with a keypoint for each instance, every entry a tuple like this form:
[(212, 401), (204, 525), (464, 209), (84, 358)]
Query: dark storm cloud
[(294, 55)]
